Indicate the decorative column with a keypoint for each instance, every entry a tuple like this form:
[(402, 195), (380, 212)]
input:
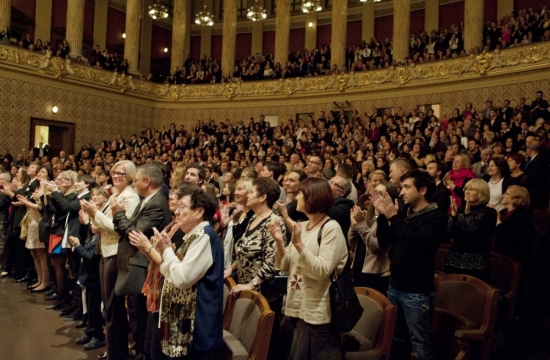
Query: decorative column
[(311, 31), (257, 37), (146, 39), (179, 32), (75, 26), (131, 43), (338, 38), (367, 26), (43, 20), (431, 18), (282, 31), (473, 24), (5, 13), (229, 36), (504, 7), (401, 29), (101, 12), (206, 33)]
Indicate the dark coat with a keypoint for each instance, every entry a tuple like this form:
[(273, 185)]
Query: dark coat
[(132, 264)]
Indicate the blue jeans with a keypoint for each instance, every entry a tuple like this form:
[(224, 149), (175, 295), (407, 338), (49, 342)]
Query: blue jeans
[(413, 325)]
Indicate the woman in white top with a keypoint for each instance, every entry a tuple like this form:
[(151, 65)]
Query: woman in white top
[(499, 181), (371, 263), (268, 71), (123, 174), (310, 263)]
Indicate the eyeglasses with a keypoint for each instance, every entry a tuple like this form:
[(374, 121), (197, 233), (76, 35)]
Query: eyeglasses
[(336, 184), (118, 174), (183, 207), (314, 162)]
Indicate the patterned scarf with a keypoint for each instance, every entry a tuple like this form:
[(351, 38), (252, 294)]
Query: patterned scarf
[(152, 287), (177, 316)]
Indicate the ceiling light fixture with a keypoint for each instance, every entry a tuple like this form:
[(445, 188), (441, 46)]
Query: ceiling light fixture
[(158, 10), (310, 6), (204, 17), (256, 12)]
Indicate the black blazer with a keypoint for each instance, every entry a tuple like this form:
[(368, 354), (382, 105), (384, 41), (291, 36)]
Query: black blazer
[(515, 235), (537, 181), (132, 264), (65, 206), (442, 198), (88, 274)]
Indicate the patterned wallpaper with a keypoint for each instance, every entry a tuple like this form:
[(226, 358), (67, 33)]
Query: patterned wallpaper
[(475, 91), (96, 117), (100, 115)]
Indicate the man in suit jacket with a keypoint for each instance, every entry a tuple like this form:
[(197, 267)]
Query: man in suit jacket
[(152, 212), (480, 167), (442, 195), (537, 170)]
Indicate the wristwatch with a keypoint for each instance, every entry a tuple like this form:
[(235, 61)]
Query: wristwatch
[(255, 283)]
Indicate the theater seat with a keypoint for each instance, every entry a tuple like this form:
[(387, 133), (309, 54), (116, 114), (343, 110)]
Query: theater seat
[(372, 335), (247, 331), (466, 307)]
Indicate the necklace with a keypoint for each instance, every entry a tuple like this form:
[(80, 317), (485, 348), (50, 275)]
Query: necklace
[(315, 224), (495, 182)]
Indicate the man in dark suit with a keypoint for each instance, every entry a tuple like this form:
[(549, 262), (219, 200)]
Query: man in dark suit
[(83, 185), (537, 169), (41, 151), (152, 212), (442, 195)]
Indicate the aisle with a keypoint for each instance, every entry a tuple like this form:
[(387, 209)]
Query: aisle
[(28, 331)]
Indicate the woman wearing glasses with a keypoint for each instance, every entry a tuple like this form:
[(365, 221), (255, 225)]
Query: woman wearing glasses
[(152, 288), (62, 202), (122, 174)]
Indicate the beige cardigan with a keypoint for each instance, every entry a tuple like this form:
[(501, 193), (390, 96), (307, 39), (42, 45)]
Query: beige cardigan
[(308, 280), (104, 220), (376, 261)]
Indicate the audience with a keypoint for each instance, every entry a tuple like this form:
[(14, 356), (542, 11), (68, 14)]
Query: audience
[(264, 171)]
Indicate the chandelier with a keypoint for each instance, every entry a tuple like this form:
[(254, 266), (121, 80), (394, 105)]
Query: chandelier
[(158, 11), (309, 6), (256, 12), (370, 0), (204, 17)]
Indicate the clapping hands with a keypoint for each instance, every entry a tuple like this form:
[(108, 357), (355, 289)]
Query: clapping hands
[(383, 204)]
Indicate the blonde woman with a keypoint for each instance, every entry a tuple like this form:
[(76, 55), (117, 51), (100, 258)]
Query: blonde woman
[(63, 204), (236, 223), (33, 241), (123, 174)]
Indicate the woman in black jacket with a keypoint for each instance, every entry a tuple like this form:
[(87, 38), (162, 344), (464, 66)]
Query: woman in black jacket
[(63, 202), (515, 230), (472, 228)]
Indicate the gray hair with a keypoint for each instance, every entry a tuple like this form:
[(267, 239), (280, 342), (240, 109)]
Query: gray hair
[(153, 172), (6, 175)]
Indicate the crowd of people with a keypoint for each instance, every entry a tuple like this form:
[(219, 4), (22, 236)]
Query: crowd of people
[(154, 222), (521, 27)]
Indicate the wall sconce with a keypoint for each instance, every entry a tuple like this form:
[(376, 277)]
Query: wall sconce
[(310, 24), (165, 49), (54, 109), (124, 35)]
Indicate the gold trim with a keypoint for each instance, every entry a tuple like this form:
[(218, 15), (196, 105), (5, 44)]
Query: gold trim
[(512, 60)]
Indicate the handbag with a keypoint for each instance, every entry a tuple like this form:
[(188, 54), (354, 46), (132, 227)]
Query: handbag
[(275, 287), (345, 308), (24, 226), (65, 244)]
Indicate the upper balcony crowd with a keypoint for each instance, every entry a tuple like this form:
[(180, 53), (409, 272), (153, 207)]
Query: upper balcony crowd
[(521, 27)]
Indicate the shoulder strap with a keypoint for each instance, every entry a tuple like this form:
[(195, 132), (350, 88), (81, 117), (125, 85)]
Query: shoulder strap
[(320, 233)]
